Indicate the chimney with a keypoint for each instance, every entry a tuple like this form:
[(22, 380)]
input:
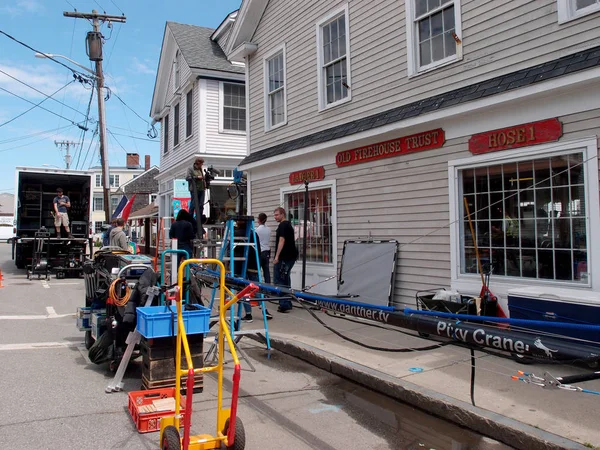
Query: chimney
[(133, 161), (147, 163)]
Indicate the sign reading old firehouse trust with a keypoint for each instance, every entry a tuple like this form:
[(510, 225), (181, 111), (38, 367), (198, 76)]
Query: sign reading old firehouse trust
[(427, 140)]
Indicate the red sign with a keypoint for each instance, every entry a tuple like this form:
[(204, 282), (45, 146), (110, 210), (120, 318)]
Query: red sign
[(314, 174), (520, 136), (407, 144)]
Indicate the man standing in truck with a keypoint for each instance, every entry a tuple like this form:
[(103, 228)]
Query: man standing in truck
[(61, 203)]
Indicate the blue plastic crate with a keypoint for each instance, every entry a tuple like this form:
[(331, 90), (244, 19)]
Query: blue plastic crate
[(158, 321)]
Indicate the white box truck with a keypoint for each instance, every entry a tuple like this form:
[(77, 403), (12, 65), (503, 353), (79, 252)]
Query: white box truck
[(35, 236)]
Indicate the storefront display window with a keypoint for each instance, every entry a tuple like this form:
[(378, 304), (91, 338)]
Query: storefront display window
[(319, 242), (530, 218)]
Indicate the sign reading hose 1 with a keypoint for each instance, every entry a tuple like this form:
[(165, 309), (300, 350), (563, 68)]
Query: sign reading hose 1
[(518, 136), (427, 140)]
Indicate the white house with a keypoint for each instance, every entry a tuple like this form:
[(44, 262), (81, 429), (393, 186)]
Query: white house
[(403, 109), (119, 175), (200, 100)]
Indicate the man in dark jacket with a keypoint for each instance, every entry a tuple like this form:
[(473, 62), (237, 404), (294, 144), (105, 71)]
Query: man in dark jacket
[(286, 254)]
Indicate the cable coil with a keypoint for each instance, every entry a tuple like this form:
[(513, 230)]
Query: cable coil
[(116, 298)]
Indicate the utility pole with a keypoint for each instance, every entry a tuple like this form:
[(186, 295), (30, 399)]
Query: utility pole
[(94, 49), (67, 145)]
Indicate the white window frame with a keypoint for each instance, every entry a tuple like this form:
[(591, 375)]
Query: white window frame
[(471, 283), (567, 12), (322, 95), (116, 179), (176, 124), (281, 49), (331, 184), (96, 198), (412, 41), (222, 129), (189, 113), (98, 180)]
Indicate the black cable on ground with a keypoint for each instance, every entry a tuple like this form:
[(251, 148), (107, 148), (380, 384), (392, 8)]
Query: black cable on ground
[(371, 347), (473, 377)]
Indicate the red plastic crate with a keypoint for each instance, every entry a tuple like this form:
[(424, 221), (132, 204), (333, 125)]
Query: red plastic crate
[(149, 422)]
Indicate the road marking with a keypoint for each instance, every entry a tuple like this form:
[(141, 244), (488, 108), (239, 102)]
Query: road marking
[(36, 346), (51, 312), (35, 317), (324, 408), (45, 284)]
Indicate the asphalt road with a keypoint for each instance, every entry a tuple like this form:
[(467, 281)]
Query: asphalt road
[(52, 397)]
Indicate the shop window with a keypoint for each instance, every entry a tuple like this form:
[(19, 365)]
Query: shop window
[(98, 227), (333, 47), (319, 226), (433, 33), (233, 107), (530, 218), (573, 9), (275, 101)]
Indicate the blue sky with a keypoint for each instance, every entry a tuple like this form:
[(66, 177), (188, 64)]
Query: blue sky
[(131, 54)]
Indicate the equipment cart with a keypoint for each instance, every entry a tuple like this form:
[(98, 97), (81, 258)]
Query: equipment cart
[(230, 430)]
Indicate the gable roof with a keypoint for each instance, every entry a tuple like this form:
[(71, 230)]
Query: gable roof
[(541, 72), (199, 50), (202, 55)]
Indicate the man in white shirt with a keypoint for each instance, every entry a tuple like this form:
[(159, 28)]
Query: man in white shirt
[(264, 235)]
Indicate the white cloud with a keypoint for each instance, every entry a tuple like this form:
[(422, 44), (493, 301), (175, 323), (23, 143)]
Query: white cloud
[(142, 67), (23, 7), (41, 77)]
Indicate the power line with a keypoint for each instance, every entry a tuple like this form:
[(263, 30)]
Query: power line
[(43, 93), (20, 138), (31, 143), (129, 107), (84, 131), (89, 147), (36, 105), (122, 12), (133, 137), (41, 107), (117, 141), (81, 74)]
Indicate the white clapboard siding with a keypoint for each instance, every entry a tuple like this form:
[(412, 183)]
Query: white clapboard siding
[(403, 198), (187, 146), (499, 37), (220, 143)]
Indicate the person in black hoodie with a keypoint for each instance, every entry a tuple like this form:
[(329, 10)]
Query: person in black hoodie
[(183, 231)]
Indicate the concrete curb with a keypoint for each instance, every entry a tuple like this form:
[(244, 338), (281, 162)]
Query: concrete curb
[(487, 423)]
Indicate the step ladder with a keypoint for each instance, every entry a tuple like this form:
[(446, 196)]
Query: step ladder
[(246, 238)]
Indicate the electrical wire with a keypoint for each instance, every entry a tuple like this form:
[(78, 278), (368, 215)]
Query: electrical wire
[(34, 142), (129, 107), (119, 299), (37, 104), (20, 138), (41, 107), (132, 137), (45, 55)]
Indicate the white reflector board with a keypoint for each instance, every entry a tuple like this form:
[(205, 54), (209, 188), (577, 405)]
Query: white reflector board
[(367, 270)]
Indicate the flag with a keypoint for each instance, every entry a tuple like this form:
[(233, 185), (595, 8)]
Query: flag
[(127, 209), (119, 208)]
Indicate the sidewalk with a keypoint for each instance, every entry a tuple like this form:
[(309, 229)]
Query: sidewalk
[(522, 415)]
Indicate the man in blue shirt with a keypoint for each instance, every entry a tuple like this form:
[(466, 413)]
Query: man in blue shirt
[(61, 203)]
